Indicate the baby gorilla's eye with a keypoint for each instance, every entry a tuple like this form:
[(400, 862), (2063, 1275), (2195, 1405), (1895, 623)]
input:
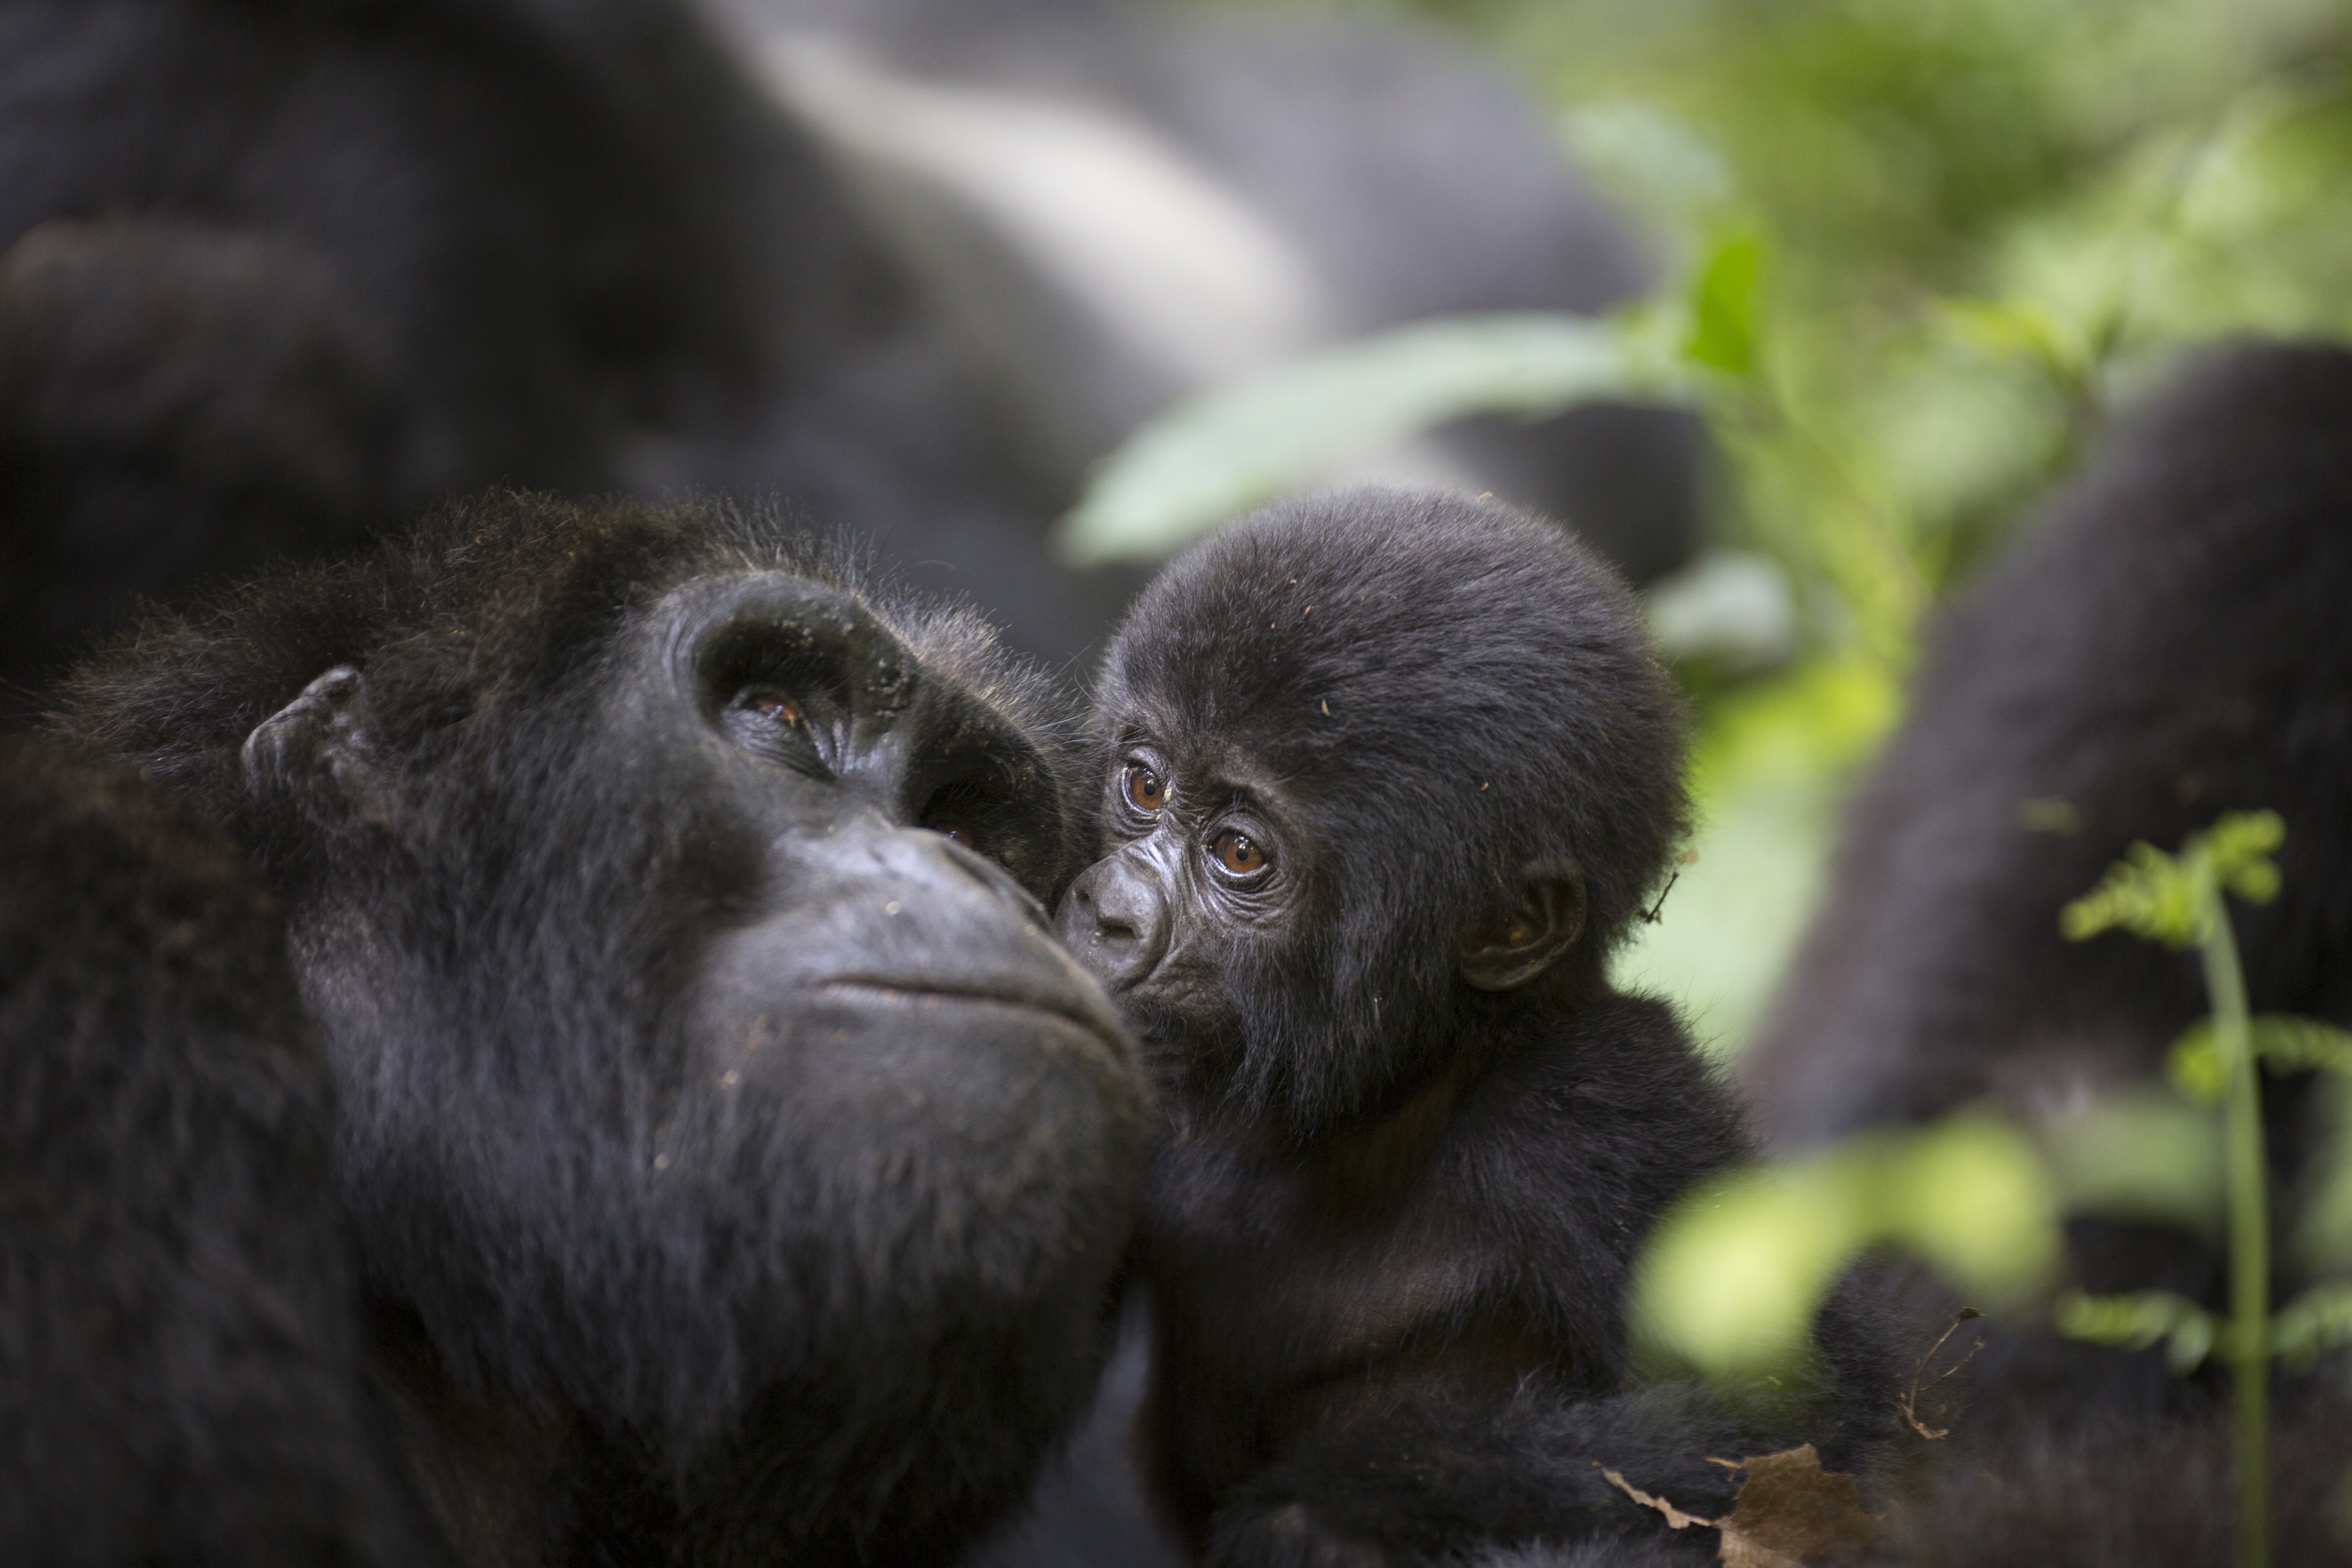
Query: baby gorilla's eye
[(954, 830), (1144, 790), (1239, 853)]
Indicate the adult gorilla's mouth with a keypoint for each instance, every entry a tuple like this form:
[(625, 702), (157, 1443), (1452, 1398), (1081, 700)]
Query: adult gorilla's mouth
[(1072, 1010)]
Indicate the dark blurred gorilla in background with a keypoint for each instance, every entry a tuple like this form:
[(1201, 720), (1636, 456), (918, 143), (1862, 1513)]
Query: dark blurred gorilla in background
[(1108, 206), (2169, 643), (275, 274)]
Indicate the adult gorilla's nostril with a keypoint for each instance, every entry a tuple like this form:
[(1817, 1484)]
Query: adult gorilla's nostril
[(1115, 919)]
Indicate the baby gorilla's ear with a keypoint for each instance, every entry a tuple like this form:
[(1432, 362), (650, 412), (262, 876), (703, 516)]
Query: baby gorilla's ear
[(1508, 950)]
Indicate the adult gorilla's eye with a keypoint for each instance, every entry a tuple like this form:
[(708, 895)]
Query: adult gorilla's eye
[(1239, 853), (960, 811), (774, 707), (1144, 790), (781, 727)]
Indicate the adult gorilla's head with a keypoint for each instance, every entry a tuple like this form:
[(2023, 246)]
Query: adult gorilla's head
[(718, 1114)]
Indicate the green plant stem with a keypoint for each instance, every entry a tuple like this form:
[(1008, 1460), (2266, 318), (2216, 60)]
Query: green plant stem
[(2249, 1229)]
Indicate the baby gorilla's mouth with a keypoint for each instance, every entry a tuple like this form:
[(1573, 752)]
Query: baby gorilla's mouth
[(911, 995)]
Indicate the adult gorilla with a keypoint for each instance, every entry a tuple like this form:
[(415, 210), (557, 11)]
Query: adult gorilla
[(736, 1166), (2170, 644)]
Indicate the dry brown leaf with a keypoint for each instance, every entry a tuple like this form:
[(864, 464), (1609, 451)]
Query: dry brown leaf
[(1789, 1512), (1739, 1551), (1791, 1507)]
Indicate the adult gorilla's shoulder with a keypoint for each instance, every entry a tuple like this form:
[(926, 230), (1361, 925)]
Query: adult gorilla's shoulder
[(180, 1354), (736, 1165)]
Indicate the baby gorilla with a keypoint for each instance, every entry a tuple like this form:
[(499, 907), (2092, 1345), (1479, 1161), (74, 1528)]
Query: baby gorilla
[(1387, 778)]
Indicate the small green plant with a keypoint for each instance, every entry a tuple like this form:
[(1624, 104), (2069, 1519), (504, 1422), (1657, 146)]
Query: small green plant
[(1732, 1279), (2181, 900)]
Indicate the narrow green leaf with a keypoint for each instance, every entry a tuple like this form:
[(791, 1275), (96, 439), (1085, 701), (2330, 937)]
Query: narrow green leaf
[(1217, 454)]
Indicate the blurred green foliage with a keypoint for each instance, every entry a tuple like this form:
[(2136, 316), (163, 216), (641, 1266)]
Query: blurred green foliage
[(1730, 1282), (1922, 248)]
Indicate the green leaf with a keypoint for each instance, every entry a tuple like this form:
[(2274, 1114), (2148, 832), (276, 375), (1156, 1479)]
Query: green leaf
[(1216, 455), (2194, 1065), (2290, 1044), (2240, 845), (2139, 1320), (2160, 897), (2283, 1042), (1971, 1196), (1722, 306), (2148, 893), (2318, 1320)]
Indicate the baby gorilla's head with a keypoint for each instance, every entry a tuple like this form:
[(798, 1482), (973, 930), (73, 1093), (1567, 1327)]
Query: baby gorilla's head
[(1384, 773)]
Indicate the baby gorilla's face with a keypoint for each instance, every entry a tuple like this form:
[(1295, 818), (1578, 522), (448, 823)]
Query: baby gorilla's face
[(1210, 865), (1232, 914)]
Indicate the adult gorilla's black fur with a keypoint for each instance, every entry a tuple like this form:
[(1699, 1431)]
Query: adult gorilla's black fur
[(180, 1356), (737, 1167), (2170, 644), (1387, 778)]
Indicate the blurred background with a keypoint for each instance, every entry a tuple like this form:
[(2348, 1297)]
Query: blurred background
[(1792, 306), (1985, 226), (1988, 224)]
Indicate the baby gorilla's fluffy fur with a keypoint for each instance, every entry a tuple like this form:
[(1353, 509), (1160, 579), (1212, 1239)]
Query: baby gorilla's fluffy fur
[(1387, 776)]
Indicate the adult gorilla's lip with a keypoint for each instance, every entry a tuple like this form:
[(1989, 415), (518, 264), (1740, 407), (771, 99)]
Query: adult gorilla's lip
[(1068, 1010)]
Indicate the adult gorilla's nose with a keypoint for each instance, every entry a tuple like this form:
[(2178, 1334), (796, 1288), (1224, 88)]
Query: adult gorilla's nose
[(1114, 918)]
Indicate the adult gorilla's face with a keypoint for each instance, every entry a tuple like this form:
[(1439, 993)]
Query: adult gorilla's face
[(892, 816), (709, 1074)]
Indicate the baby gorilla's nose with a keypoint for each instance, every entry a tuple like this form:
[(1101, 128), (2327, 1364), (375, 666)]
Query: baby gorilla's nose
[(1113, 919)]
